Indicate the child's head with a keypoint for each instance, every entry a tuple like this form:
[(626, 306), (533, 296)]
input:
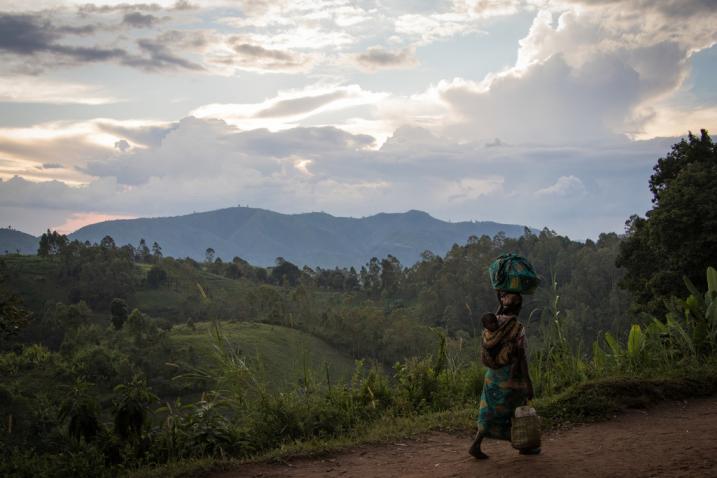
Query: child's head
[(490, 322)]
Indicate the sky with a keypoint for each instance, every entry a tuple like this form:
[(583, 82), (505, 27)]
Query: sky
[(535, 112)]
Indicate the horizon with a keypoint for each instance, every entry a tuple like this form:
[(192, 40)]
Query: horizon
[(545, 113), (449, 221)]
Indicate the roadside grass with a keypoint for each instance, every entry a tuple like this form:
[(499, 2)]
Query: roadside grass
[(588, 402)]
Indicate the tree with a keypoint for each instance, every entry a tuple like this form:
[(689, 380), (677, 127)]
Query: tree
[(156, 251), (390, 274), (80, 409), (136, 324), (51, 243), (131, 408), (285, 272), (209, 255), (118, 309), (678, 236), (142, 251), (108, 243)]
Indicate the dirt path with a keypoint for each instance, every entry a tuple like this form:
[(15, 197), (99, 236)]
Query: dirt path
[(675, 439)]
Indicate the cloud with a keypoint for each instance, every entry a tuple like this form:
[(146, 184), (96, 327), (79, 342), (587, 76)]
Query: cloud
[(202, 164), (184, 147), (288, 107), (429, 28), (36, 36), (33, 35), (253, 57), (377, 58), (71, 145), (32, 89), (582, 74), (77, 220), (91, 8), (139, 20), (565, 186), (671, 8), (160, 57), (122, 145)]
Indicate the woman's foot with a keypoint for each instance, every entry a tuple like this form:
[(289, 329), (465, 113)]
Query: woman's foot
[(475, 450)]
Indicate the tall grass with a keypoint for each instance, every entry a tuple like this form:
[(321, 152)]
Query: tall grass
[(684, 337)]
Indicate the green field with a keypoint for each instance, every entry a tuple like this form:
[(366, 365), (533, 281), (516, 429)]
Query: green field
[(277, 355)]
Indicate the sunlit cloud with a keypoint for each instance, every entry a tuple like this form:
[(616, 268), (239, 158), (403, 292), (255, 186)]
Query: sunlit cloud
[(288, 108), (32, 89), (81, 219)]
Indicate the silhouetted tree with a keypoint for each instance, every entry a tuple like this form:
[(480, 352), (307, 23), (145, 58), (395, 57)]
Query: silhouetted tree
[(156, 251), (678, 236), (143, 254), (51, 243), (209, 255), (108, 243)]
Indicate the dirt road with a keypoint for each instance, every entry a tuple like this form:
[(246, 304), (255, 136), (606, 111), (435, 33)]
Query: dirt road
[(675, 439)]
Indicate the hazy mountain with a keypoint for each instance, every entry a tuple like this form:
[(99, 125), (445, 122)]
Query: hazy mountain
[(260, 236), (12, 241)]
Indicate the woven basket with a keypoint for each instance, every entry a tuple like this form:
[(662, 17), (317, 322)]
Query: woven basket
[(525, 432)]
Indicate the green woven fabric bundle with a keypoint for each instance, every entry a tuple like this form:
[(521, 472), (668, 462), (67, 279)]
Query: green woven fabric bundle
[(513, 273)]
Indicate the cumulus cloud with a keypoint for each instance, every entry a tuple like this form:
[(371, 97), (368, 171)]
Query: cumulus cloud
[(582, 74), (24, 151), (206, 164)]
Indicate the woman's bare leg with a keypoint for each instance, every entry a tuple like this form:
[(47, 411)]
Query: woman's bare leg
[(475, 450)]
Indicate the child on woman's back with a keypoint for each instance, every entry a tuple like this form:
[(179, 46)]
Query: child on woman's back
[(491, 324)]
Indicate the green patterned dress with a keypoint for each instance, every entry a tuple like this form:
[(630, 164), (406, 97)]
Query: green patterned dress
[(498, 401)]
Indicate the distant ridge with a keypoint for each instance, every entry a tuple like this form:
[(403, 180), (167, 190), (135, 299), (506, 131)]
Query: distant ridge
[(13, 241), (315, 239)]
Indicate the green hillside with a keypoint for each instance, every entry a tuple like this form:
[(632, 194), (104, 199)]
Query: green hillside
[(275, 354)]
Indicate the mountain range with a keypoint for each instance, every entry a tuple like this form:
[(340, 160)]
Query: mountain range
[(260, 236)]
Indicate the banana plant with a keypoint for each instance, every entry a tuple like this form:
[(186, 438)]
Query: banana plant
[(636, 341), (699, 311)]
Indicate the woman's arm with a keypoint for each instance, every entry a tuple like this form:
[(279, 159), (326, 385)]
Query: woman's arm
[(525, 372), (523, 364)]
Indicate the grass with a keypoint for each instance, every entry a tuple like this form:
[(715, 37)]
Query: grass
[(584, 403), (279, 355)]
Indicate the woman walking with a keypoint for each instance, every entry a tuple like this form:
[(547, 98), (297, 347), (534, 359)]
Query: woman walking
[(507, 383)]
